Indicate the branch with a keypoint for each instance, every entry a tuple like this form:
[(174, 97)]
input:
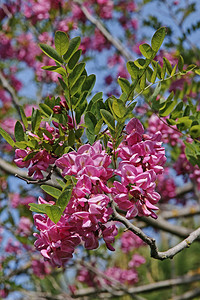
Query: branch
[(112, 282), (144, 288), (164, 225), (183, 212), (114, 41), (8, 168), (151, 242), (188, 295), (11, 91)]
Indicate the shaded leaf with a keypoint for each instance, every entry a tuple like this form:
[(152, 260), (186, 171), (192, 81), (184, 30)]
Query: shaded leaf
[(76, 73), (90, 121), (73, 46), (74, 59), (180, 63), (64, 198), (23, 116), (108, 118), (19, 132), (35, 119), (195, 131)]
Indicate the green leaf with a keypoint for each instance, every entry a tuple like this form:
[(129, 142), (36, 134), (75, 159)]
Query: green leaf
[(143, 81), (167, 109), (71, 138), (61, 42), (173, 70), (76, 73), (39, 208), (163, 71), (190, 68), (23, 116), (190, 152), (63, 84), (184, 123), (35, 119), (154, 75), (73, 46), (98, 126), (21, 145), (95, 98), (19, 132), (90, 136), (178, 111), (54, 192), (119, 108), (74, 59), (54, 213), (51, 52), (146, 51), (57, 69), (197, 71), (168, 66), (158, 39), (180, 63), (108, 118), (141, 63), (132, 69), (6, 136), (46, 109), (195, 131), (30, 155), (89, 83), (90, 121), (124, 84), (61, 183), (64, 198), (77, 86)]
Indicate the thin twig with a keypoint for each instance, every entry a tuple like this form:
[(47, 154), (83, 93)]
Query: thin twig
[(170, 253), (11, 91), (114, 41), (11, 170), (186, 279)]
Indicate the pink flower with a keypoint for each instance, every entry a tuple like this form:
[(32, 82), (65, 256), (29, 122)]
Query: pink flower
[(24, 226), (56, 242), (130, 241), (136, 261), (40, 268)]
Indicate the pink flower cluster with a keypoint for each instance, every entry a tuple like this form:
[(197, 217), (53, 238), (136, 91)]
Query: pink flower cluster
[(142, 160), (127, 276), (166, 186), (40, 268), (40, 162), (169, 135), (56, 242), (130, 241), (87, 214)]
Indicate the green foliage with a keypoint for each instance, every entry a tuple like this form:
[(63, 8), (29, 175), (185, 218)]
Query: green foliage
[(19, 132), (7, 137), (61, 42)]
